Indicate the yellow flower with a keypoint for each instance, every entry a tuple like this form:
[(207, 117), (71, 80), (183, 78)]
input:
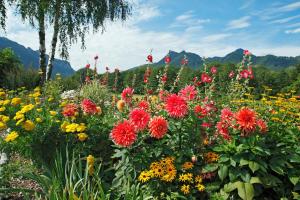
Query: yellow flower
[(4, 118), (20, 121), (99, 110), (198, 179), (11, 136), (2, 109), (19, 115), (53, 113), (2, 94), (64, 125), (38, 120), (185, 189), (200, 187), (90, 161), (188, 177), (81, 127), (27, 108), (39, 110), (6, 102), (28, 125), (144, 176), (50, 99), (71, 128), (211, 157), (37, 89), (120, 105), (36, 94), (2, 126), (16, 101), (170, 175), (187, 165), (82, 137)]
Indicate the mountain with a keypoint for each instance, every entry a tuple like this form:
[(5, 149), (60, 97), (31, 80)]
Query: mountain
[(30, 58), (269, 61)]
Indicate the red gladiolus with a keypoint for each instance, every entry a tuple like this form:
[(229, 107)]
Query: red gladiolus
[(262, 125), (188, 93), (158, 127), (87, 66), (247, 52), (127, 94), (167, 59), (205, 78), (88, 106), (150, 58), (246, 119), (123, 134), (139, 118), (213, 70), (143, 105), (176, 106), (70, 110)]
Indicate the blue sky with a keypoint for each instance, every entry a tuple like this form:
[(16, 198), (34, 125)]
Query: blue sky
[(205, 27)]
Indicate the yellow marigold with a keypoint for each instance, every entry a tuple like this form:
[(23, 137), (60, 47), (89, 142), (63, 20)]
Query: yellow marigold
[(27, 108), (6, 102), (20, 121), (81, 127), (64, 125), (2, 109), (120, 105), (16, 101), (37, 89), (53, 113), (71, 128), (2, 94), (187, 165), (188, 177), (28, 125), (38, 120), (200, 187), (144, 176), (11, 136), (185, 189), (82, 137), (2, 126), (4, 118), (36, 94)]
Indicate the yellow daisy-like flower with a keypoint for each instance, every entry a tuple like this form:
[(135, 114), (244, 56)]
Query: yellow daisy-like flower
[(185, 189), (53, 113), (144, 176), (187, 165), (158, 171), (82, 137), (71, 128), (16, 101), (200, 187), (11, 136), (39, 110), (211, 157), (4, 118), (2, 109), (188, 177), (6, 102), (2, 126), (27, 108), (170, 173), (81, 127), (38, 120), (28, 125), (20, 121), (198, 179)]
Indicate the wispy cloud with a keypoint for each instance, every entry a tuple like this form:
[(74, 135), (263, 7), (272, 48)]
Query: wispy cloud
[(293, 31), (145, 12), (188, 19), (285, 20), (293, 25), (246, 4), (290, 7), (239, 23), (216, 37)]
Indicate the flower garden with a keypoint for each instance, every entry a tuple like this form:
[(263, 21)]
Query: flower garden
[(197, 143)]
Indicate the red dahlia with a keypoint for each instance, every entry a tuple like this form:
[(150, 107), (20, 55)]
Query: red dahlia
[(176, 106), (262, 125), (123, 134), (158, 127), (188, 93), (139, 118), (88, 106), (69, 110), (127, 94), (246, 119), (143, 105)]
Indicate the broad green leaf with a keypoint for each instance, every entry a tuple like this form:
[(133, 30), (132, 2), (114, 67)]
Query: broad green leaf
[(295, 158), (255, 180), (243, 162), (245, 190), (232, 162), (210, 168), (294, 179), (277, 169), (254, 166), (223, 172), (230, 186)]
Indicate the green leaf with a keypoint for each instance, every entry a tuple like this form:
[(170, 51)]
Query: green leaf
[(294, 179), (245, 190), (254, 166), (295, 158), (223, 172), (255, 180), (223, 159), (210, 168), (230, 186), (243, 162), (232, 162), (277, 169)]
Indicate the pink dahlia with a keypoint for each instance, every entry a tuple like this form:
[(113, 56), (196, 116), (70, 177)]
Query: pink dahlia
[(222, 129), (176, 106), (127, 94), (123, 134), (139, 118), (188, 93), (158, 127), (88, 106)]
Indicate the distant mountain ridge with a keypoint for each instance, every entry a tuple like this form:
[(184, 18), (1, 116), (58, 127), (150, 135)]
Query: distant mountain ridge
[(30, 58), (269, 61)]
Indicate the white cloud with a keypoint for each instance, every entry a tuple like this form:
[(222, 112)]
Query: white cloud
[(285, 20), (145, 12), (297, 30), (290, 7), (216, 37), (247, 4), (188, 19), (239, 23), (293, 25)]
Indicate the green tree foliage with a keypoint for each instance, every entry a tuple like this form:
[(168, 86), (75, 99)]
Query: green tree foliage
[(2, 14)]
